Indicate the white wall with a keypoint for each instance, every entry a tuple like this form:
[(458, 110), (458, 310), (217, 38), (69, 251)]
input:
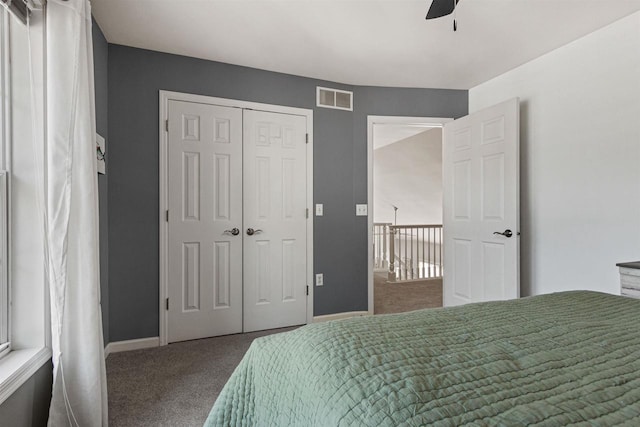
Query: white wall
[(580, 158), (408, 174)]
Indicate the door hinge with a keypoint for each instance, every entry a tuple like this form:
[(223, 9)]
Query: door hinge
[(306, 138), (167, 303), (166, 125), (307, 214), (307, 289), (166, 215)]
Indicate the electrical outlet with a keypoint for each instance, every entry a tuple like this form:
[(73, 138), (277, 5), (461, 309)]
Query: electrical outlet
[(319, 279), (319, 209), (361, 210)]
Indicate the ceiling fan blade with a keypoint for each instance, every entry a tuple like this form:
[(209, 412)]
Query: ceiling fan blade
[(440, 8)]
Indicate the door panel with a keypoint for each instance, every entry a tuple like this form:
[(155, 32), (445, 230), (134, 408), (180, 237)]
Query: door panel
[(222, 274), (481, 197), (204, 182), (461, 273), (274, 206), (191, 279), (492, 192)]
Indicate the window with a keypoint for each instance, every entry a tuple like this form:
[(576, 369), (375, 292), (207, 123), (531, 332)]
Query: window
[(22, 134)]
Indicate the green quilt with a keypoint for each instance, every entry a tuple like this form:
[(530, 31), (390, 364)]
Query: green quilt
[(549, 360)]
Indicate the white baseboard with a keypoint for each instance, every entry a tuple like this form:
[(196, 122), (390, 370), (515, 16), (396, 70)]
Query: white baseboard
[(118, 346), (337, 316)]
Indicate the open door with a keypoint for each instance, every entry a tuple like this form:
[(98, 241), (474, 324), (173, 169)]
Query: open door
[(482, 206)]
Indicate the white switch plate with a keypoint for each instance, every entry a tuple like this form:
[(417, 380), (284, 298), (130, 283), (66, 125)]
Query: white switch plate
[(319, 209), (319, 279), (361, 210)]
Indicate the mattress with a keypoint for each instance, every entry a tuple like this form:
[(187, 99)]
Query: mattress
[(549, 360)]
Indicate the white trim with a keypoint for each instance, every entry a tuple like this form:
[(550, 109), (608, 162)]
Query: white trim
[(338, 316), (5, 296), (18, 366), (310, 217), (128, 345), (5, 144), (426, 122), (164, 98)]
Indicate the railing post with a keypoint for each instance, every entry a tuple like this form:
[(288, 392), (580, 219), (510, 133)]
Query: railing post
[(392, 256), (440, 257), (411, 259), (375, 248), (385, 236)]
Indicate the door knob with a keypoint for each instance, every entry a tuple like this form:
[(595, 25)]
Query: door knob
[(233, 231), (505, 233), (251, 231)]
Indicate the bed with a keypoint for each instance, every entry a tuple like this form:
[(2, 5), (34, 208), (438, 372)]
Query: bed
[(549, 360)]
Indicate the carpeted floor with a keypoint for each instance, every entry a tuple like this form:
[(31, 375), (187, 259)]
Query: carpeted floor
[(399, 297), (174, 385)]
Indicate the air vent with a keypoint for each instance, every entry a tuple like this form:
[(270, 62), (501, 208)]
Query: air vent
[(334, 98)]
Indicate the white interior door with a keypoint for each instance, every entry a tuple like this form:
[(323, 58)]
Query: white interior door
[(274, 220), (205, 205), (481, 198)]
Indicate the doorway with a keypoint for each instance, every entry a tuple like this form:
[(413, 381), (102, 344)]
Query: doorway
[(236, 241), (405, 224)]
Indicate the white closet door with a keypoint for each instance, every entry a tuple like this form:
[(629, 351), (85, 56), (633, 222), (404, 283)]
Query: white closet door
[(205, 205), (482, 206), (275, 209)]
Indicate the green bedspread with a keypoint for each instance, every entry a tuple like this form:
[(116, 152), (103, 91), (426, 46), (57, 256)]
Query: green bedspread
[(565, 358)]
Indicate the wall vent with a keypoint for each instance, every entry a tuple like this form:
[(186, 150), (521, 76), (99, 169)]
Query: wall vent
[(334, 98)]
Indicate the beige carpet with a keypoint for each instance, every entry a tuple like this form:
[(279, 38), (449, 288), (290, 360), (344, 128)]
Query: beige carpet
[(408, 296), (174, 385)]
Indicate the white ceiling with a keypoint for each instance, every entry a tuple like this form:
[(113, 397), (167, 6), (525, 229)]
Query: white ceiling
[(372, 42)]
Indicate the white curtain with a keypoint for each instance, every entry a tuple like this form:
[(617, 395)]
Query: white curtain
[(71, 220)]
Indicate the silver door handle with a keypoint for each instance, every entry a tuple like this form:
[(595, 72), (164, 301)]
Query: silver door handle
[(505, 233), (233, 231), (251, 231)]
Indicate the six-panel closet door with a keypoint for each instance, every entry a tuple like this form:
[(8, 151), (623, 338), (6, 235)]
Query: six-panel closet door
[(205, 206), (236, 220), (274, 220)]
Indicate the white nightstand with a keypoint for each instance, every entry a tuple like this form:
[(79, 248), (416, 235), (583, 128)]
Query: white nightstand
[(630, 279)]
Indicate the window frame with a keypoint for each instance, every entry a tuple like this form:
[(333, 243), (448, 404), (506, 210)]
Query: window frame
[(5, 134)]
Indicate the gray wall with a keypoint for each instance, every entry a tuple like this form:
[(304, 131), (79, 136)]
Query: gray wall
[(340, 172), (28, 406), (100, 59)]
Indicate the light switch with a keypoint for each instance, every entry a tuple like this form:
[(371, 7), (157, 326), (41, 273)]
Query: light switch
[(361, 210), (319, 209), (319, 279)]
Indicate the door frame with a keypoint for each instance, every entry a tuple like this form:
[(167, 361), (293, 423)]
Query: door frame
[(164, 98), (425, 122)]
